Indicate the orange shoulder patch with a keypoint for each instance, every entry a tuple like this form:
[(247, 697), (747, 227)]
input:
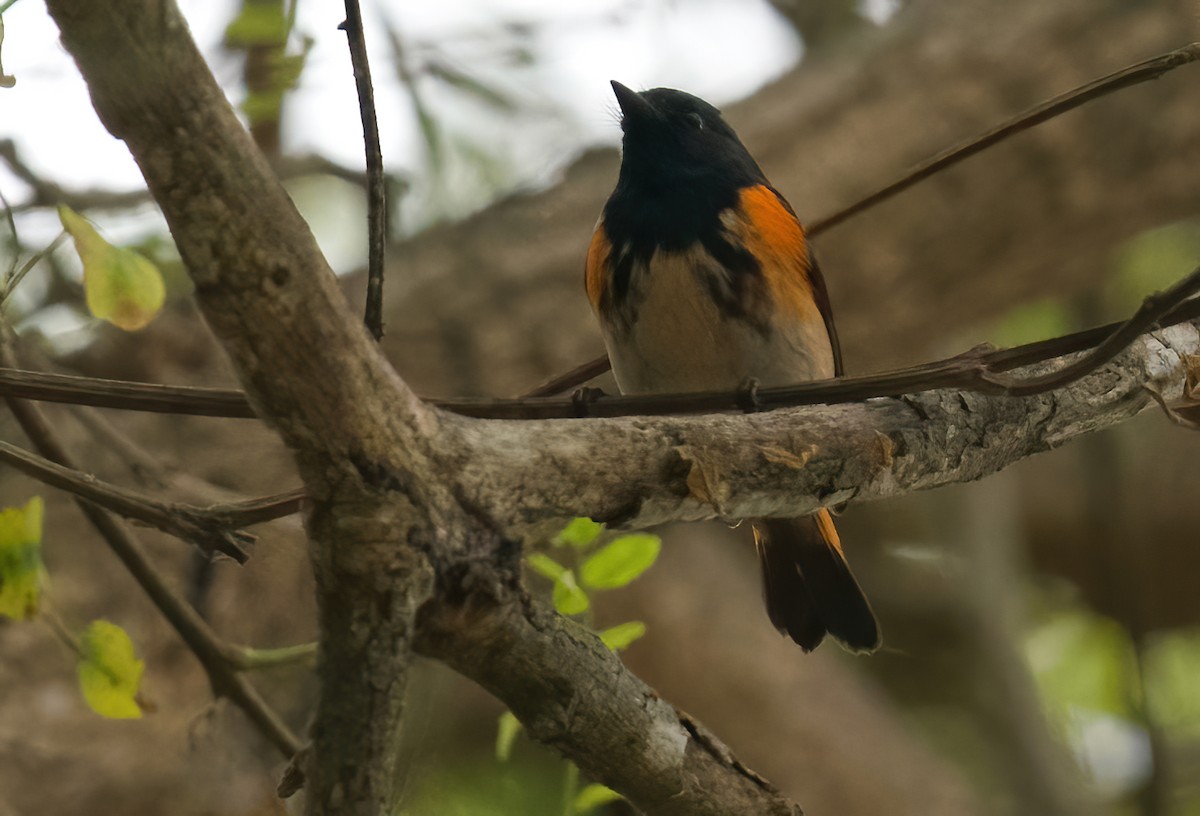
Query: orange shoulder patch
[(768, 229), (596, 271)]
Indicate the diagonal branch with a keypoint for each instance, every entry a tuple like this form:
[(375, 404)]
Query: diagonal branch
[(977, 369), (192, 524), (213, 655), (572, 693)]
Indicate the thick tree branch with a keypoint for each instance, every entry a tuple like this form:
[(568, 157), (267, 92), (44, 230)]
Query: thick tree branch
[(572, 693), (360, 436), (642, 471), (976, 369)]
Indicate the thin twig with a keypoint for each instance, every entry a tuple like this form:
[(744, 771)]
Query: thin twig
[(376, 191), (1131, 75), (570, 379), (193, 524), (1153, 309), (203, 642), (11, 284), (975, 370), (245, 658)]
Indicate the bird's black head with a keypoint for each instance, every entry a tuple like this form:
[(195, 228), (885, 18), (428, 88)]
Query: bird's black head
[(673, 139)]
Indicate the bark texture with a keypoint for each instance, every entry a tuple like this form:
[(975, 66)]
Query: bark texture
[(641, 471)]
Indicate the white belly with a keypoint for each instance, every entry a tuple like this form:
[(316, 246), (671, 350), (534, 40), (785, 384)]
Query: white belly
[(679, 341)]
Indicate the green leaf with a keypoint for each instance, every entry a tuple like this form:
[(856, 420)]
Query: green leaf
[(1172, 664), (593, 796), (265, 104), (507, 730), (545, 566), (569, 599), (21, 559), (622, 635), (109, 671), (620, 561), (258, 23), (579, 533), (1083, 660), (122, 286)]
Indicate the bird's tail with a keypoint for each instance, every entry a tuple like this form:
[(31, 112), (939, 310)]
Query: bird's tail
[(808, 585)]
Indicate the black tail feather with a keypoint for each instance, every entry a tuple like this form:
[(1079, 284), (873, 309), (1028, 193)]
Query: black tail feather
[(808, 585)]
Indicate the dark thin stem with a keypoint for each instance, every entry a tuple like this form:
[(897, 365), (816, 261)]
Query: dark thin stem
[(258, 510), (1132, 75), (11, 284), (179, 520), (1149, 314), (975, 370), (568, 380), (203, 642), (376, 191), (130, 396)]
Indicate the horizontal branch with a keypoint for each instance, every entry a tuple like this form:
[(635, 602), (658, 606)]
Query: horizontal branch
[(641, 471), (974, 369)]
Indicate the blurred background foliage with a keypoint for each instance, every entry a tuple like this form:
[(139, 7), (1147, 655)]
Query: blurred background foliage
[(1042, 627)]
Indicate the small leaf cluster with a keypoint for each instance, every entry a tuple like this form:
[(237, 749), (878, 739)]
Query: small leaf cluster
[(600, 566), (109, 671), (580, 564)]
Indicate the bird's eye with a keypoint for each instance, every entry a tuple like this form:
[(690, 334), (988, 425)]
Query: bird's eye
[(697, 120)]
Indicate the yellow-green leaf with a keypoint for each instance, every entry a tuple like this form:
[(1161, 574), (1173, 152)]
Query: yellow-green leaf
[(109, 671), (258, 24), (579, 533), (593, 796), (569, 599), (622, 635), (545, 566), (122, 287), (21, 559), (507, 730), (620, 561)]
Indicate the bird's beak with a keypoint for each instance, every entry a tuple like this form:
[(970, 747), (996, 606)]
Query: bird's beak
[(634, 106)]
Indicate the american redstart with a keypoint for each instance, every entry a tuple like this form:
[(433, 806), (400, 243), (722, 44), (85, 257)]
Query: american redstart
[(702, 279)]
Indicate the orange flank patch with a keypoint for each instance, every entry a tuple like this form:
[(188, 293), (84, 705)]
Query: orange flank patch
[(769, 230), (828, 531), (596, 271)]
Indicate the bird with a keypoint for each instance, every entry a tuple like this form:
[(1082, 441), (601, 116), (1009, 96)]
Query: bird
[(702, 279)]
